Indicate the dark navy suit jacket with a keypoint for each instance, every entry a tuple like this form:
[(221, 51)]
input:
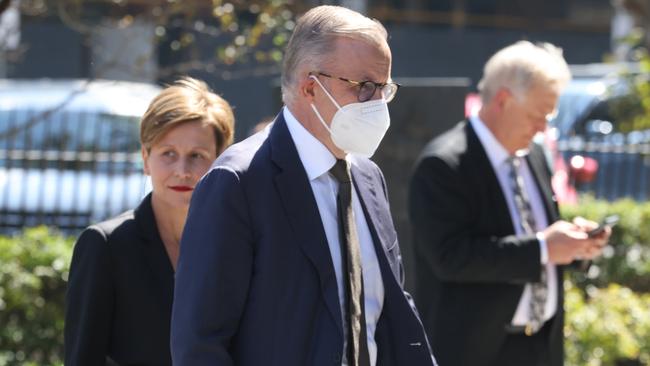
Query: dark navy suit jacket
[(255, 283)]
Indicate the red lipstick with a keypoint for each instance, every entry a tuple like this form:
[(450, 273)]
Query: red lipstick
[(181, 188)]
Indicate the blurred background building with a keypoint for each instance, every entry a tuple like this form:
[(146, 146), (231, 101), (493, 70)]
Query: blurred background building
[(154, 41)]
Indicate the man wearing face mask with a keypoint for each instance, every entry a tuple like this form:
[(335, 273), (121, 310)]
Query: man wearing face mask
[(289, 255)]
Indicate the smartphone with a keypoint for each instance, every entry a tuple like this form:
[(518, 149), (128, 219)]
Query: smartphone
[(607, 221)]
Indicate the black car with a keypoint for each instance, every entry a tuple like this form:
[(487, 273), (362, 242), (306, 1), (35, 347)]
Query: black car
[(589, 123)]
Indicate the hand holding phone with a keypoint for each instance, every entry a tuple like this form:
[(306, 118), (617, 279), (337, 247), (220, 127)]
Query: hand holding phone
[(608, 221)]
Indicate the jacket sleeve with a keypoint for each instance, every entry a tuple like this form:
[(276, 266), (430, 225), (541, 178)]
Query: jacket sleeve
[(89, 301), (444, 214), (213, 274)]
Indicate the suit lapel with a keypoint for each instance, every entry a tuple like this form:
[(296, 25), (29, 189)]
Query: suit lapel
[(154, 252), (537, 163), (302, 212), (482, 167), (376, 217)]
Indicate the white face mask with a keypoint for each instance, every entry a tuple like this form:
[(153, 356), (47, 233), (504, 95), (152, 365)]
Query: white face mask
[(357, 128)]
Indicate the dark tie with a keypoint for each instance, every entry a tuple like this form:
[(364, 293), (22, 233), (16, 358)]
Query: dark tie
[(357, 351), (527, 220)]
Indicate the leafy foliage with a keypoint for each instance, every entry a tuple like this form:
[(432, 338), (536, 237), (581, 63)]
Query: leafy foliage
[(607, 319), (238, 32), (607, 326), (626, 261), (33, 274), (632, 109)]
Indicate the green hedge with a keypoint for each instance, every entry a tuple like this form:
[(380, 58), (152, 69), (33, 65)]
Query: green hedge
[(33, 274), (626, 261), (608, 308), (607, 326)]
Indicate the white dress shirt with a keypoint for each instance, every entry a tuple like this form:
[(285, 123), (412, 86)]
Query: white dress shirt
[(317, 161), (498, 156)]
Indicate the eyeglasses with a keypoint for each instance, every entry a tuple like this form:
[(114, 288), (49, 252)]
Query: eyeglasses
[(367, 88)]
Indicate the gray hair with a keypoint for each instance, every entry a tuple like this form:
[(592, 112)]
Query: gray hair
[(522, 66), (314, 38)]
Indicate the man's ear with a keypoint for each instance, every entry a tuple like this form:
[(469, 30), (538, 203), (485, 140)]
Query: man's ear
[(306, 88), (145, 160), (503, 97)]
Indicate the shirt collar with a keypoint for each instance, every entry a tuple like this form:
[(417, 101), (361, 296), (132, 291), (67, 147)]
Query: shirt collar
[(493, 148), (315, 157)]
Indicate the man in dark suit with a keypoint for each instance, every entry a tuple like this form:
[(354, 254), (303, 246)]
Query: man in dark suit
[(289, 255), (489, 244)]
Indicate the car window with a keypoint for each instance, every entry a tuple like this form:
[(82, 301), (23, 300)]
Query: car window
[(597, 120), (570, 106), (64, 139)]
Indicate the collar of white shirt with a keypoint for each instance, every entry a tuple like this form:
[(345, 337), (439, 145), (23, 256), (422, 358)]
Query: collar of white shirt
[(493, 148), (315, 157)]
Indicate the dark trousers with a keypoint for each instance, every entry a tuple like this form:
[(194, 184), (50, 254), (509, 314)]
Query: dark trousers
[(522, 350)]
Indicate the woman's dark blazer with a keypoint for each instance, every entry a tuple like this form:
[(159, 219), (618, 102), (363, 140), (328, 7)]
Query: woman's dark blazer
[(120, 293)]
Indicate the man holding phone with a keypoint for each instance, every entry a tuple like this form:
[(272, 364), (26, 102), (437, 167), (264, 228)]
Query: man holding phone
[(490, 248), (607, 222)]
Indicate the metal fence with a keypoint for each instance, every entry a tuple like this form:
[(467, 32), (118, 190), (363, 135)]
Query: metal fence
[(623, 167), (67, 168)]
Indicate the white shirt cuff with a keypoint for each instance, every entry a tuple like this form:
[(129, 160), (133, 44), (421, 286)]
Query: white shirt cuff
[(543, 249)]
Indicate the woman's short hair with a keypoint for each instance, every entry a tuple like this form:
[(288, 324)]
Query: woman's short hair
[(314, 39), (187, 100), (521, 66)]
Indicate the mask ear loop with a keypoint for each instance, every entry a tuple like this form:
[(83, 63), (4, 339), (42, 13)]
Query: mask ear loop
[(320, 118), (313, 107), (326, 92)]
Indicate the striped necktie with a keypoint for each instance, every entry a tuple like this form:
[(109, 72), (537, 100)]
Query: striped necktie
[(539, 290)]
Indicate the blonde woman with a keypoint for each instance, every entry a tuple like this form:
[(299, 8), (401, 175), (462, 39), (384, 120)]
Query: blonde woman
[(121, 281)]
